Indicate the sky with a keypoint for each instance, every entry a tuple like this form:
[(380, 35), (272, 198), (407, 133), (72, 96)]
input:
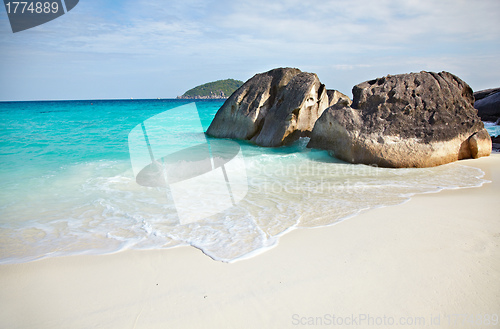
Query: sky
[(106, 49)]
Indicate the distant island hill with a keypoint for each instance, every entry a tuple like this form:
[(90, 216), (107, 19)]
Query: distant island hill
[(220, 89)]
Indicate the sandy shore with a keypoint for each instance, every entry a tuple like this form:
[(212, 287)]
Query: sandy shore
[(423, 264)]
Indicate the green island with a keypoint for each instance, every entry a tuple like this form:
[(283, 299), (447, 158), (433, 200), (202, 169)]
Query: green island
[(220, 89)]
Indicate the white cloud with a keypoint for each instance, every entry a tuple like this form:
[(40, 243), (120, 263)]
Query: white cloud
[(199, 39), (335, 27), (369, 23)]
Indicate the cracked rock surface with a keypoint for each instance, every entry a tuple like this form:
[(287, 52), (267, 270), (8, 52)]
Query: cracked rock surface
[(274, 108), (408, 120)]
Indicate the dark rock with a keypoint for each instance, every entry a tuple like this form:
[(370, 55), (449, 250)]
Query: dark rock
[(409, 120), (485, 93), (272, 108), (488, 104), (495, 143)]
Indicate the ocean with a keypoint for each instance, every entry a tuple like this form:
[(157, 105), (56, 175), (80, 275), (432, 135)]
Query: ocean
[(68, 182)]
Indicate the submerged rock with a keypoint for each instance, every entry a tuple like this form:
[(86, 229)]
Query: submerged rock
[(488, 104), (272, 108), (410, 120)]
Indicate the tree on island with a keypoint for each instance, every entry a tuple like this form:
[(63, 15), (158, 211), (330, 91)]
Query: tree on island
[(213, 90)]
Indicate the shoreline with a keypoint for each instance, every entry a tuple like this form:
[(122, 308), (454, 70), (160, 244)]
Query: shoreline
[(430, 257), (401, 199)]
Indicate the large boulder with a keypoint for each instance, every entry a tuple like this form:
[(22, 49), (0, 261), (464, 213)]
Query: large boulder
[(272, 108), (488, 104), (410, 120), (478, 95)]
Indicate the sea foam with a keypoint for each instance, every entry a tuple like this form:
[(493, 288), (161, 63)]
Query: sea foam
[(79, 195), (99, 208)]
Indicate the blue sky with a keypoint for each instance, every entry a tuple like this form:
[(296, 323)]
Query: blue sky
[(149, 49)]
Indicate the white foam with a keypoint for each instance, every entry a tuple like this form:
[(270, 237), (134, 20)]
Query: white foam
[(98, 208)]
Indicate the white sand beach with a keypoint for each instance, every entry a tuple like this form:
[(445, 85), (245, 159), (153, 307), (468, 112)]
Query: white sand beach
[(426, 263)]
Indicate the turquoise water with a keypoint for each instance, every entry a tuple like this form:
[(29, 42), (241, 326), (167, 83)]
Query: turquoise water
[(67, 186), (493, 129)]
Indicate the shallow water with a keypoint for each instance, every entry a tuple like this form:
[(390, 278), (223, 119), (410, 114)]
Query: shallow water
[(67, 186), (493, 129)]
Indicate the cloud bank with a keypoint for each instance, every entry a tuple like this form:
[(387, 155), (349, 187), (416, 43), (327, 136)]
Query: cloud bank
[(148, 49)]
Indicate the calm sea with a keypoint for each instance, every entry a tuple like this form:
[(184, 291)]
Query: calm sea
[(67, 186)]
